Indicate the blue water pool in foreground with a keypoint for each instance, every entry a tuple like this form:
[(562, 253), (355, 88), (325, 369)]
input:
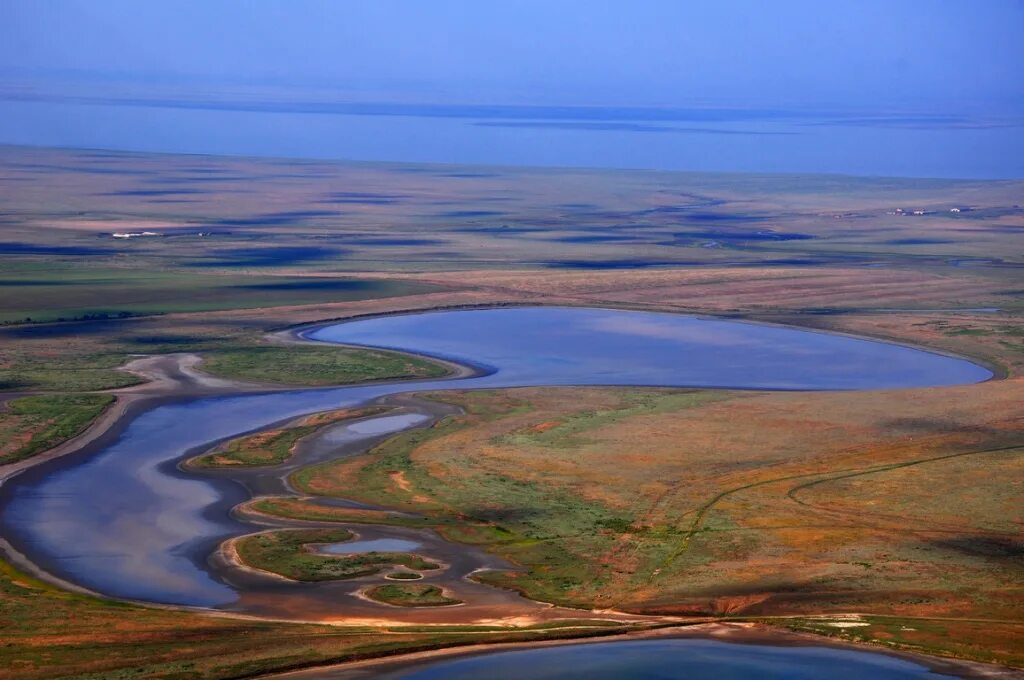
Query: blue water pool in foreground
[(669, 659)]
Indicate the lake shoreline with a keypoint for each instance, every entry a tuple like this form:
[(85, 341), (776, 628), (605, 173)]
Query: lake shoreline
[(737, 633), (138, 401)]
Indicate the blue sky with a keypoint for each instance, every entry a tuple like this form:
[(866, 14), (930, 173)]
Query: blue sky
[(873, 54)]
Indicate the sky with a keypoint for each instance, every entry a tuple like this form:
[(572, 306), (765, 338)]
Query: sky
[(864, 54)]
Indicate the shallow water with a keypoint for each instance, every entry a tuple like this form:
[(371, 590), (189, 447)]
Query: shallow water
[(375, 545), (124, 521), (387, 423), (552, 345), (667, 660)]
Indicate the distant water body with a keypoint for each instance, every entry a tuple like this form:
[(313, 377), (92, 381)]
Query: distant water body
[(694, 140)]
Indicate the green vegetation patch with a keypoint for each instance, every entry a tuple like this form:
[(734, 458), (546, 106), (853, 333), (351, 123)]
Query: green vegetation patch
[(295, 508), (404, 576), (33, 370), (289, 554), (542, 526), (411, 595), (273, 447), (569, 432), (36, 424), (317, 366)]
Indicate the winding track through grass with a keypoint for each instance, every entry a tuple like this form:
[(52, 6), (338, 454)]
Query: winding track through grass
[(702, 511)]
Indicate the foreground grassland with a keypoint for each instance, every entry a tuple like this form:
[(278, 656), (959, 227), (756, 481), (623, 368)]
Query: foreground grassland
[(48, 633), (288, 553), (272, 447), (31, 425), (701, 503)]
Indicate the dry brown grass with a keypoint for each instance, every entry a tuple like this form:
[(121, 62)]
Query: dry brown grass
[(765, 503)]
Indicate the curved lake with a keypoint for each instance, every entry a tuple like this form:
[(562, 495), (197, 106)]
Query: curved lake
[(125, 521), (670, 659), (560, 345)]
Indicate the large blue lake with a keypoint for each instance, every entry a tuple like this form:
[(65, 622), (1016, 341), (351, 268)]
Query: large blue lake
[(694, 140), (124, 521), (559, 345)]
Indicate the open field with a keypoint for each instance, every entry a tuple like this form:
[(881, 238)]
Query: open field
[(903, 506), (40, 291), (725, 504), (271, 215)]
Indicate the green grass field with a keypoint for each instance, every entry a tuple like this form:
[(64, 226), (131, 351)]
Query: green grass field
[(35, 424)]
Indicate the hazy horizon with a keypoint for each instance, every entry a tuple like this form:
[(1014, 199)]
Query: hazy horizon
[(876, 88)]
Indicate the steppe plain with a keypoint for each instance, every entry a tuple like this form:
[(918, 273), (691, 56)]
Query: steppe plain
[(888, 517)]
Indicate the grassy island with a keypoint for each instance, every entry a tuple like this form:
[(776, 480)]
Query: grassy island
[(318, 366), (411, 595), (288, 553), (275, 446)]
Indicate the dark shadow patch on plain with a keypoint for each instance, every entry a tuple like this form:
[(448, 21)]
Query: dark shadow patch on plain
[(154, 192), (690, 215), (993, 548), (313, 284), (276, 218), (35, 282), (502, 230), (18, 248), (597, 238), (361, 198), (184, 179), (616, 264), (177, 341), (917, 241), (742, 235), (195, 231), (469, 213), (398, 242), (268, 257), (63, 329)]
